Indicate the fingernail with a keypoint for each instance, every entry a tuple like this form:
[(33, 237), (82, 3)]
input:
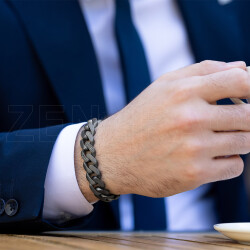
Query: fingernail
[(237, 64)]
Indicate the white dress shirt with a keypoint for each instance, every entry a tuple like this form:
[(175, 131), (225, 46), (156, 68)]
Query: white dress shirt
[(166, 45)]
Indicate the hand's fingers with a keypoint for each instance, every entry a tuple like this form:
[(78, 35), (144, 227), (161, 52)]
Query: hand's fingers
[(229, 143), (228, 117), (203, 68), (225, 84), (224, 168)]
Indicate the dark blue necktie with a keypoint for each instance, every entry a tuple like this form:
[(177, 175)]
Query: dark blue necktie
[(134, 63), (149, 213)]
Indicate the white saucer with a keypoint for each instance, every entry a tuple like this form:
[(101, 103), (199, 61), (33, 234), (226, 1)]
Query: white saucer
[(235, 231)]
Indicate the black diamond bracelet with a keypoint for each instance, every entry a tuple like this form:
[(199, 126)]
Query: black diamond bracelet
[(90, 162)]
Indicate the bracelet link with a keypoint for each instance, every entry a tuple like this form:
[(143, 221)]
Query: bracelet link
[(90, 163)]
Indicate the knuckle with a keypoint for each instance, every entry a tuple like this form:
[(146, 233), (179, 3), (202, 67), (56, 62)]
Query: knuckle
[(194, 149), (183, 92), (240, 115), (190, 120), (240, 140), (238, 111), (242, 79), (210, 66), (194, 174), (207, 63), (213, 80), (240, 74)]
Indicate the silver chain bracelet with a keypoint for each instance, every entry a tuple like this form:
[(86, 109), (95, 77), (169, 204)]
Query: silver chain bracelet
[(90, 162)]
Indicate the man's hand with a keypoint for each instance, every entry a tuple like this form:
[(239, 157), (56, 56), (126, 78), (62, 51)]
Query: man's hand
[(172, 138)]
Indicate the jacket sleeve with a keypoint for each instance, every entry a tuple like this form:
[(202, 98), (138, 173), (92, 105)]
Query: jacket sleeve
[(24, 158)]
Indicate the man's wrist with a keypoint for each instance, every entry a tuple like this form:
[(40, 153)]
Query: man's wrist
[(106, 164)]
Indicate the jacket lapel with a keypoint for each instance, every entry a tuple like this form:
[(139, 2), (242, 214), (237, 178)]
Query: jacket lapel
[(60, 38), (213, 29)]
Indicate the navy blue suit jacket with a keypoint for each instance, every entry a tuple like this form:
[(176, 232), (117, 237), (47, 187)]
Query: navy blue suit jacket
[(46, 63)]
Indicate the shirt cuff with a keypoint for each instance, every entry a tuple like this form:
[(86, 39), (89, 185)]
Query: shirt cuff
[(63, 198)]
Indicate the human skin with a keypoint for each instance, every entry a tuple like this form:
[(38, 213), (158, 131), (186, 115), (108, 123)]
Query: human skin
[(172, 137)]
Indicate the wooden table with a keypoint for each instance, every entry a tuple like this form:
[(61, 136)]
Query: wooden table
[(111, 241)]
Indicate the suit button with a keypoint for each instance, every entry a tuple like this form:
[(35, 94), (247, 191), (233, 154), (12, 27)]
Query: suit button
[(11, 207), (2, 205)]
